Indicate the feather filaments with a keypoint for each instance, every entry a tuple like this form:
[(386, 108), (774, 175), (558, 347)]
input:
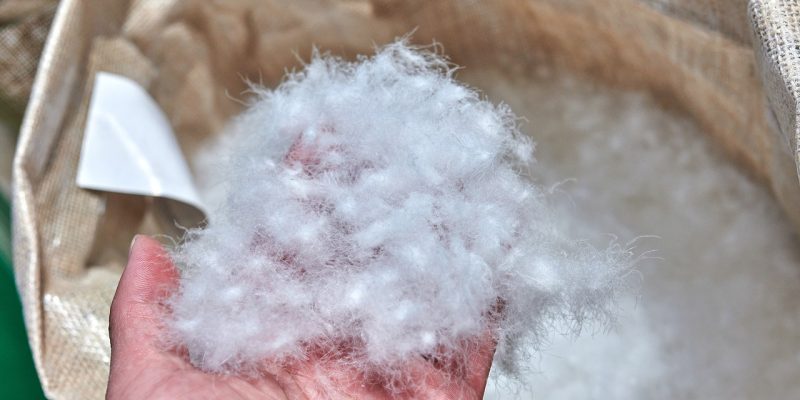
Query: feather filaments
[(377, 211)]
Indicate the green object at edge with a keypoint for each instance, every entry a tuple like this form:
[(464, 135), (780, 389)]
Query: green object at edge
[(19, 375)]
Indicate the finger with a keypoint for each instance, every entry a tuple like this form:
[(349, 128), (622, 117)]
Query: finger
[(481, 354), (480, 363), (150, 274), (454, 376), (137, 308)]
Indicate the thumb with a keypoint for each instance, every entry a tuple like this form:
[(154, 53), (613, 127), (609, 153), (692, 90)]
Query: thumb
[(137, 308)]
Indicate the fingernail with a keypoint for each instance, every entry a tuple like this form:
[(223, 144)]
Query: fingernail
[(133, 242)]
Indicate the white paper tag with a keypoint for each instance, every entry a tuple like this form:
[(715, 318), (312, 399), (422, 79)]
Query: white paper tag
[(129, 146)]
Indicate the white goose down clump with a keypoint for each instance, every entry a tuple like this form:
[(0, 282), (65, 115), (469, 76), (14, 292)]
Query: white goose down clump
[(376, 211)]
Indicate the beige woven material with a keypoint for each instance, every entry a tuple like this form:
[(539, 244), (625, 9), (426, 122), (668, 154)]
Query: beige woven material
[(23, 29), (776, 28), (70, 244)]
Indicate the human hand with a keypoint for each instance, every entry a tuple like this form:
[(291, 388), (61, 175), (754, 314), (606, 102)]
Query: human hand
[(143, 368)]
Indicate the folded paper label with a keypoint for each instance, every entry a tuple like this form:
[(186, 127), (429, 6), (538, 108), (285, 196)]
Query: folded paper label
[(129, 146)]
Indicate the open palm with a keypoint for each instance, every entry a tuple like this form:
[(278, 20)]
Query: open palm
[(141, 368)]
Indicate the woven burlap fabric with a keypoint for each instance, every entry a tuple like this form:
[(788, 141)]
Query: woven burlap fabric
[(23, 29), (70, 244), (776, 31)]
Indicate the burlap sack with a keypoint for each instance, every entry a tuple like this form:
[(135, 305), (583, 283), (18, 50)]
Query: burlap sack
[(70, 244), (23, 29)]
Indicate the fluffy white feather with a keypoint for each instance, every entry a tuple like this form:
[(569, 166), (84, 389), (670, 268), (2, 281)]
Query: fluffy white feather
[(377, 210)]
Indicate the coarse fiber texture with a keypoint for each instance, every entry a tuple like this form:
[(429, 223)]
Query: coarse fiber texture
[(375, 213)]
